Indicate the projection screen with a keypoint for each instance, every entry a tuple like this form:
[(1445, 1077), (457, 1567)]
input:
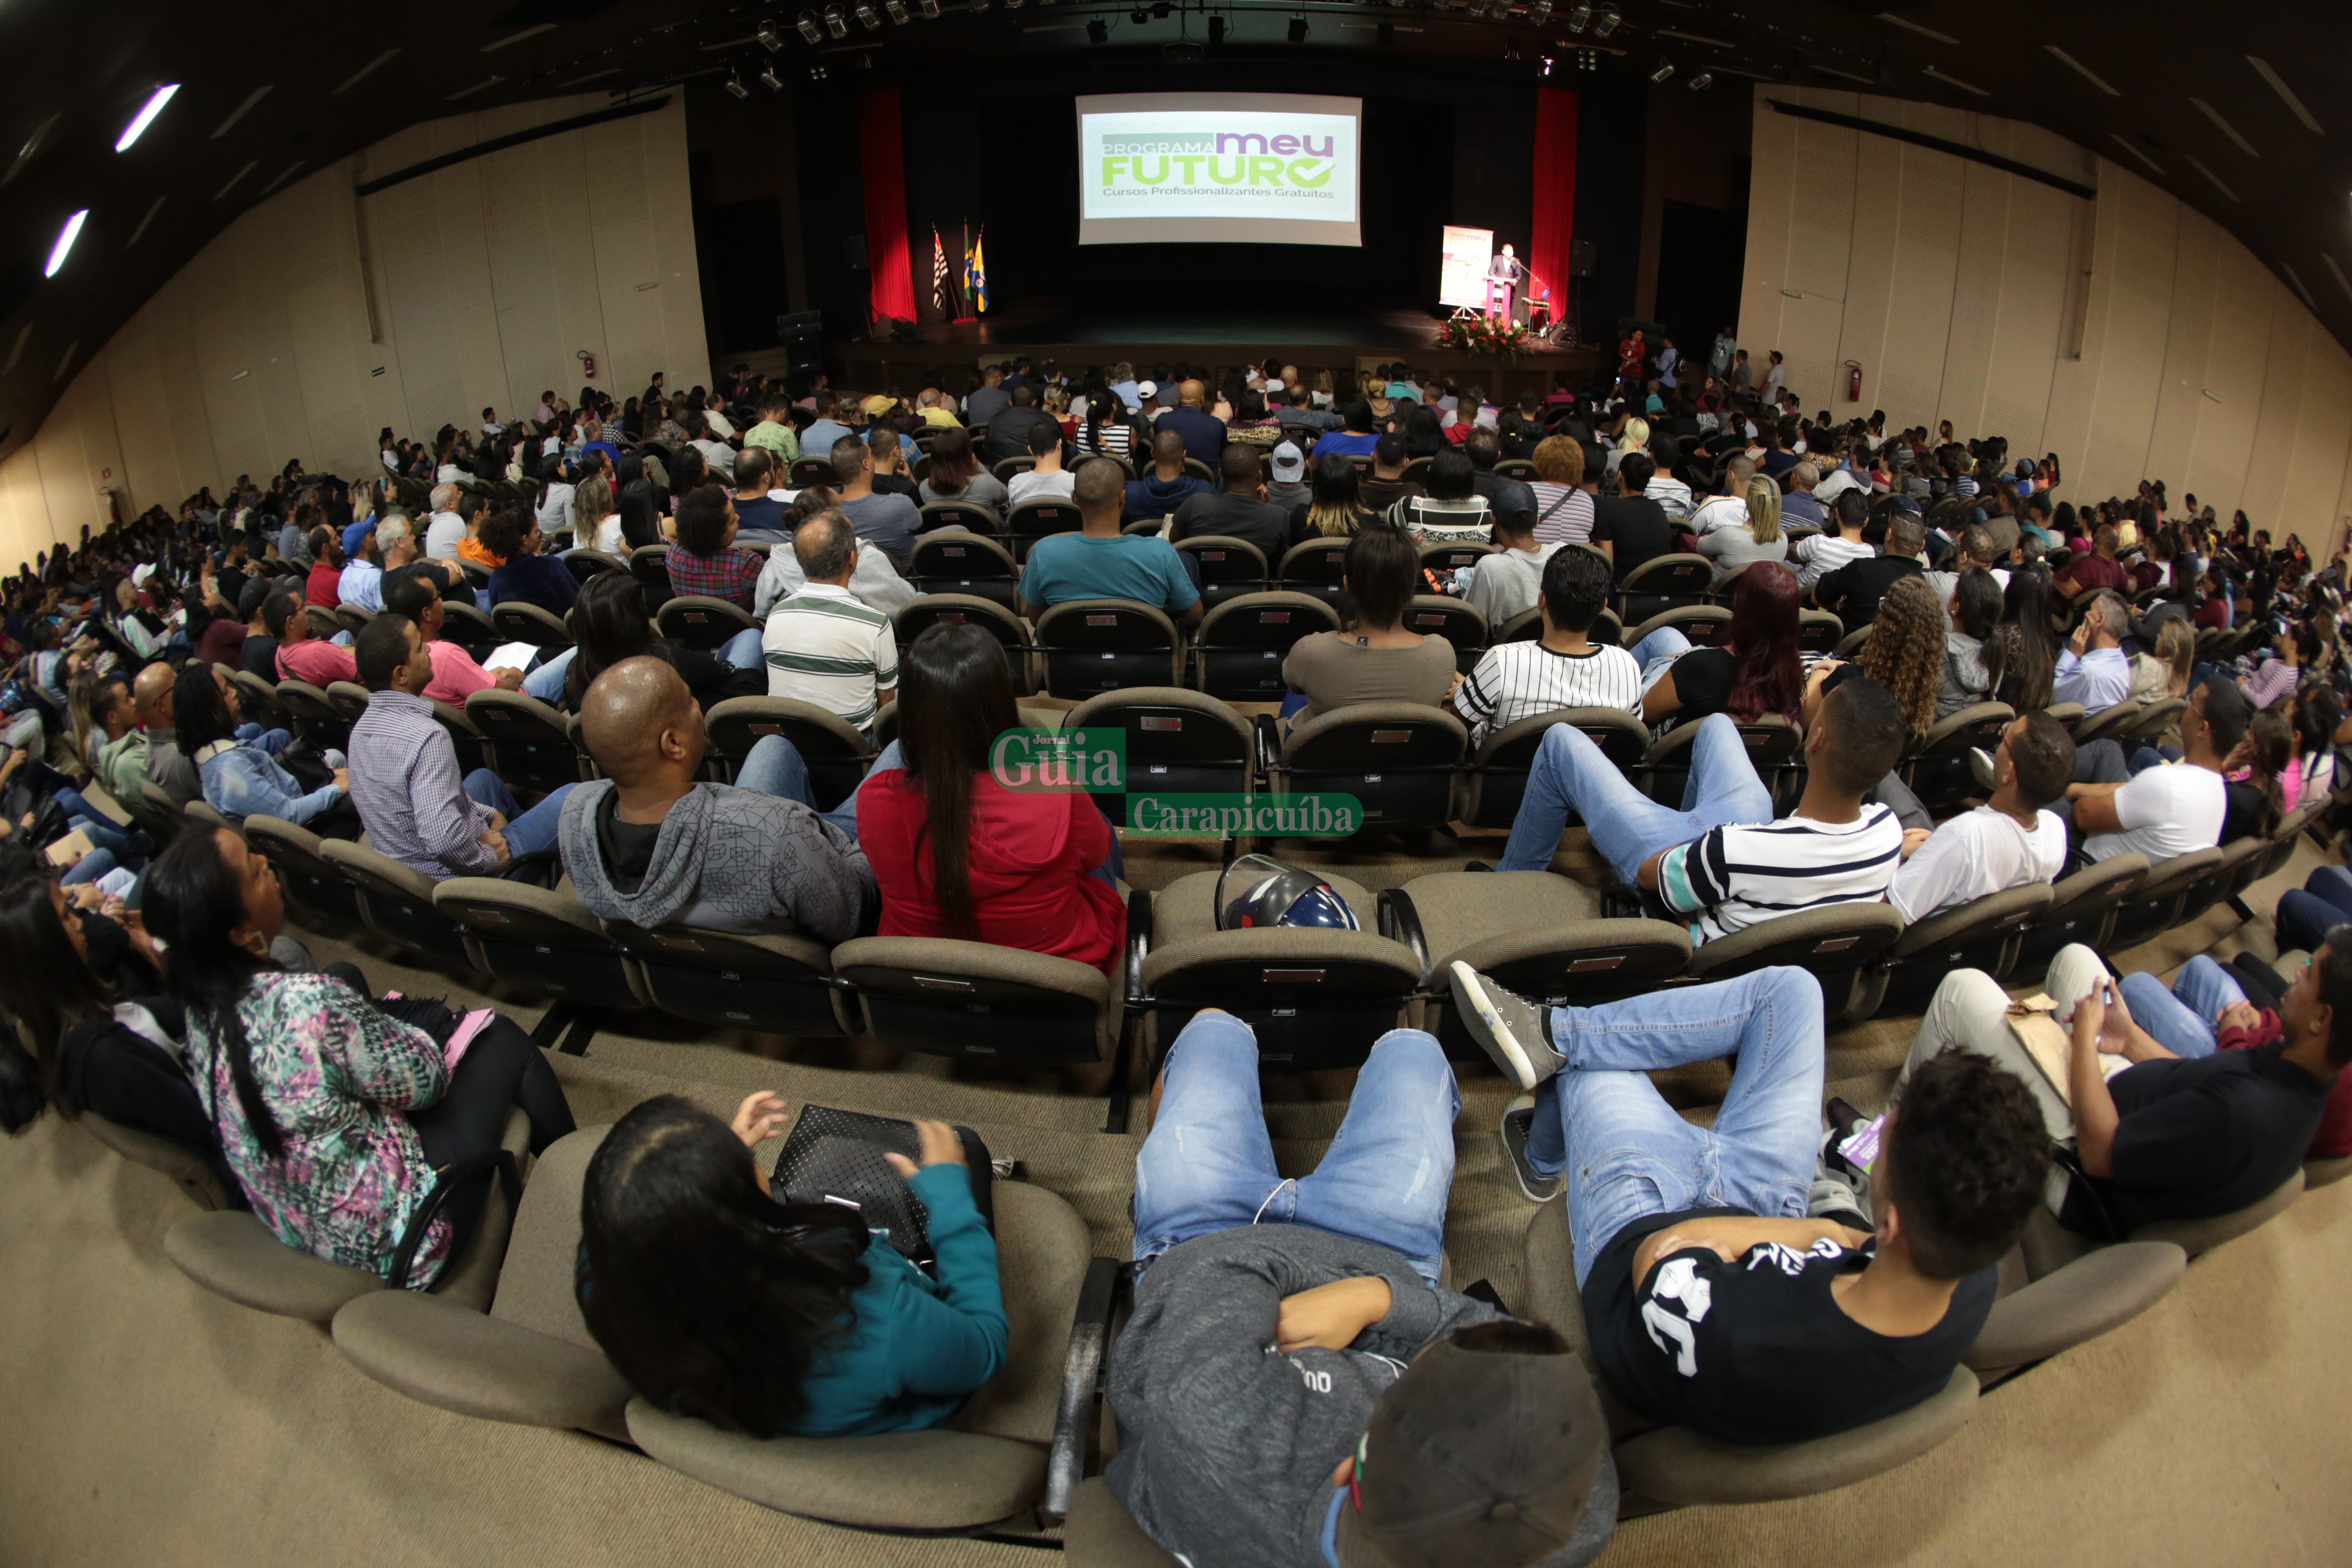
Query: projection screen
[(1218, 168)]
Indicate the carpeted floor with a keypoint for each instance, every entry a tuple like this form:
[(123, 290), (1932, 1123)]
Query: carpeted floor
[(141, 1419)]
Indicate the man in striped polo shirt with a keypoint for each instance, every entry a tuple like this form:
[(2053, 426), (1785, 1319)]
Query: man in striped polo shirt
[(823, 644)]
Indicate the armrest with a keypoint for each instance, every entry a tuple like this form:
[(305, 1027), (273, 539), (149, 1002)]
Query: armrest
[(1620, 902), (1268, 732), (456, 1176), (1400, 921), (1083, 1374), (1139, 942)]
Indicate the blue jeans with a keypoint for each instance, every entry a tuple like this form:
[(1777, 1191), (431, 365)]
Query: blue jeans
[(1208, 1166), (1655, 652), (742, 650), (545, 681), (2181, 1019), (1628, 1153), (1627, 826), (775, 767), (2306, 914), (527, 833)]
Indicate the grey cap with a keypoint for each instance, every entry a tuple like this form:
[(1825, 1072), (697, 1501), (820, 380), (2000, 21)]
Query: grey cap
[(1289, 463), (249, 598)]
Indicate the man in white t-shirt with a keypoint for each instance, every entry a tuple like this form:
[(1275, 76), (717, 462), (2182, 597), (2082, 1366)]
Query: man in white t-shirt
[(1728, 510), (2008, 842), (2174, 808), (445, 530), (1518, 680), (1048, 480), (1838, 543), (1509, 582)]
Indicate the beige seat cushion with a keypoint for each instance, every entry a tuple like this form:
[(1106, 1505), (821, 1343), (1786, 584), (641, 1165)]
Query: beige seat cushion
[(1101, 1534), (1461, 908)]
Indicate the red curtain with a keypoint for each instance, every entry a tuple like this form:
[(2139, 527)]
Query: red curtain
[(885, 170), (1553, 216)]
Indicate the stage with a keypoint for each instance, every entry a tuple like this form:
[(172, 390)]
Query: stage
[(1052, 329)]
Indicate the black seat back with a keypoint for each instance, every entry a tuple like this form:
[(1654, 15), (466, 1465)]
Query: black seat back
[(1244, 640), (1093, 646)]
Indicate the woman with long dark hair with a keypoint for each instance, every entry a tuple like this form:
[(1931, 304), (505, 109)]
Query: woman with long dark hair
[(241, 774), (717, 1300), (955, 852), (643, 505), (2022, 654), (1751, 670), (955, 473), (1975, 611), (1338, 509), (1376, 659), (1424, 436), (334, 1115), (613, 625)]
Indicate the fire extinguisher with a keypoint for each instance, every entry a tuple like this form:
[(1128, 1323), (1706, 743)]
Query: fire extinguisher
[(588, 364), (1853, 381)]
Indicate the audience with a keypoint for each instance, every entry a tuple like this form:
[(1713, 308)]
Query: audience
[(1047, 480), (1376, 659), (1449, 511), (1164, 490), (1240, 511), (1099, 562), (1754, 536), (1564, 668), (528, 576), (1336, 508), (1563, 492), (2162, 811), (613, 626), (1629, 528), (240, 770), (1852, 591), (704, 559), (822, 644), (306, 658), (1752, 668), (2092, 670), (2011, 841), (886, 521)]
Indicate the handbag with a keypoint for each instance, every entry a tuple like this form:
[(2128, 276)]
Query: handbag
[(837, 1157)]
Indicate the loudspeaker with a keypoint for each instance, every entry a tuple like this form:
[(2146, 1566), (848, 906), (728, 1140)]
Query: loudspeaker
[(852, 252), (1583, 255), (802, 336)]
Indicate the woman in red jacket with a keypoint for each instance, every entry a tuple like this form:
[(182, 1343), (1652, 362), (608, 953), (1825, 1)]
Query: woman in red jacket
[(954, 852)]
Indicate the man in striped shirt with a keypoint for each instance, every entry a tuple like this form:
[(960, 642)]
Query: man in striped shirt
[(1518, 680), (823, 644), (1723, 860)]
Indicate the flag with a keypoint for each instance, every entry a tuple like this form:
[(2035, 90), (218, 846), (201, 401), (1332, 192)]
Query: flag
[(975, 273), (938, 274)]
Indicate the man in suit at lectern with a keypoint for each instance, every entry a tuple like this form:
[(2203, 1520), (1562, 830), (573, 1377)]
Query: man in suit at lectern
[(1504, 276)]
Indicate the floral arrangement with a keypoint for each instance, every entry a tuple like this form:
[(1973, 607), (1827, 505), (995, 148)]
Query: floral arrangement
[(1487, 335)]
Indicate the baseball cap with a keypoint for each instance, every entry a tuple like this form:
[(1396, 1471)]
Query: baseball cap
[(141, 572), (1289, 464), (878, 405), (1147, 388), (249, 598), (1490, 1449)]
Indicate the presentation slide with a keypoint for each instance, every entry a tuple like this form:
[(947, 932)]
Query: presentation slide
[(1218, 168)]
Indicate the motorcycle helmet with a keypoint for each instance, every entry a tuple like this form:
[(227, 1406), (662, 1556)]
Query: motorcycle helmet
[(1259, 890)]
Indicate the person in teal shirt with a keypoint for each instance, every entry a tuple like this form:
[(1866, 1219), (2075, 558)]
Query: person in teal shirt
[(717, 1300)]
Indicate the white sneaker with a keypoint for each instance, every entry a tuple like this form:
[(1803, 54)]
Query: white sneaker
[(1511, 1030)]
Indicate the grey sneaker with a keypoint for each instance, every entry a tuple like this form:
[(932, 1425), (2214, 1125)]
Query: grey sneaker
[(1980, 764), (1514, 1031), (1517, 1118)]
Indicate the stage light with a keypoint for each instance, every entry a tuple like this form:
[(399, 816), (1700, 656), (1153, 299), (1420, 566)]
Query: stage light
[(1298, 29), (1386, 34), (1159, 11), (139, 122), (1096, 32), (1580, 18), (735, 84), (868, 18), (1664, 73), (1547, 65), (1540, 13), (770, 79), (1139, 16), (768, 38), (897, 12), (1701, 82), (1216, 32), (817, 73), (811, 28), (66, 237), (1606, 22), (836, 20), (930, 10)]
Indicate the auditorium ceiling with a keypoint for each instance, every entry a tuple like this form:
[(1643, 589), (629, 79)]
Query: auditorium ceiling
[(2240, 113)]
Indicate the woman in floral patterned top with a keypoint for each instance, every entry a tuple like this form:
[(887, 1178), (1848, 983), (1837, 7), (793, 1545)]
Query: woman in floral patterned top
[(334, 1116)]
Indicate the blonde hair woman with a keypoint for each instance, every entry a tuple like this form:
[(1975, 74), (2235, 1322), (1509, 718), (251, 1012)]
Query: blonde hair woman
[(2165, 673), (1760, 538), (594, 523), (1636, 437)]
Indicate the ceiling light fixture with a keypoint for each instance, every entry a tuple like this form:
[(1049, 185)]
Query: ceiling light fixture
[(810, 27), (146, 116), (836, 20), (1701, 82), (1097, 32), (929, 8), (2209, 175), (770, 79), (2214, 114), (1953, 81), (239, 113), (1893, 20), (769, 39), (868, 18), (817, 73), (2080, 70), (735, 84), (1606, 22), (897, 13), (1664, 74), (1579, 18), (2286, 96), (66, 237), (1298, 29), (1540, 13)]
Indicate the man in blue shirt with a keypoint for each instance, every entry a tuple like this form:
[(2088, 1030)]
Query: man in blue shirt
[(1099, 562), (1358, 439), (1203, 431), (1167, 486)]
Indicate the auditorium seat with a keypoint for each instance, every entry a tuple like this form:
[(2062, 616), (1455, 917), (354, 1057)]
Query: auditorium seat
[(585, 563), (1774, 744), (528, 1358), (1702, 624), (469, 628), (1229, 567), (1240, 644), (1040, 518), (2068, 714), (649, 564), (1445, 559), (234, 1255), (2156, 905), (2095, 1294), (206, 816), (699, 621), (1101, 1533), (1850, 645), (323, 624), (807, 471), (1091, 646), (312, 716), (1198, 469), (972, 609), (2156, 720), (1983, 934), (160, 817), (1840, 944), (770, 983), (546, 942), (2110, 723), (186, 1167), (1497, 780), (530, 741), (975, 517), (396, 903), (1004, 468), (837, 753), (311, 881), (989, 1465), (1663, 582), (352, 618), (2240, 859), (257, 701), (519, 620), (1178, 742), (1937, 764), (959, 561), (349, 698), (1460, 623), (1315, 997), (1397, 758), (1818, 631), (2081, 909), (944, 997), (1316, 567)]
